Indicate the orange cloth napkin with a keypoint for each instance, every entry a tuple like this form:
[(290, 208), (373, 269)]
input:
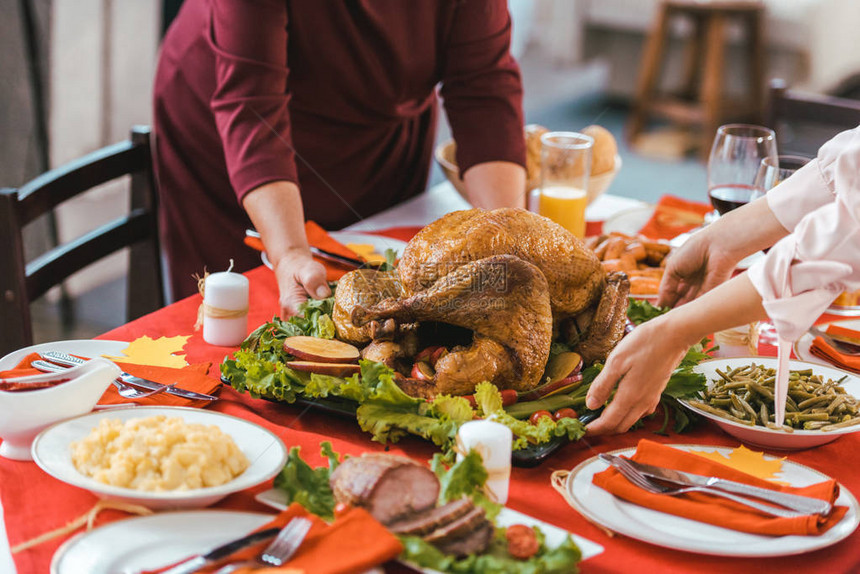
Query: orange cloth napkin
[(716, 510), (820, 348), (192, 378), (319, 238), (673, 216), (354, 542)]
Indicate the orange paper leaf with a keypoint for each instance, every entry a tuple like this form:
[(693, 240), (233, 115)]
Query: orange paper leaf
[(159, 352), (748, 461)]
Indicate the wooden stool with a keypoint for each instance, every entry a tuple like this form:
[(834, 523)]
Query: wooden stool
[(705, 104)]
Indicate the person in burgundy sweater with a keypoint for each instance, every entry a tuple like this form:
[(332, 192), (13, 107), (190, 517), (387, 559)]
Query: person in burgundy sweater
[(271, 112)]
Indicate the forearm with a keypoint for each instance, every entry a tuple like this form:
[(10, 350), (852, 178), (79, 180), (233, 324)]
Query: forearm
[(496, 184), (744, 231), (276, 211)]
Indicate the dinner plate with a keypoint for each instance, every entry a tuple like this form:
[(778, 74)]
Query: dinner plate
[(81, 347), (803, 346), (629, 221), (772, 438), (679, 533), (380, 243), (507, 517), (151, 542), (265, 451)]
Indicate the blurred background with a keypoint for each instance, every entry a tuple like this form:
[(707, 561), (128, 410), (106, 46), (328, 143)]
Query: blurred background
[(75, 75)]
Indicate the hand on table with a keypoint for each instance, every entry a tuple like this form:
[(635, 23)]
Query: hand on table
[(299, 276), (640, 365)]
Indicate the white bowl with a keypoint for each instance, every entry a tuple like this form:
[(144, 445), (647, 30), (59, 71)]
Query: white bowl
[(772, 438), (265, 451), (24, 414)]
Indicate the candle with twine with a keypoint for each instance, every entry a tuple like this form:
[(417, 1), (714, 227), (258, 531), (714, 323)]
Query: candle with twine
[(493, 442), (224, 311)]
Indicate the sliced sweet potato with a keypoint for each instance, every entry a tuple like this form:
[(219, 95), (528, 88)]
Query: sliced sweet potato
[(333, 369), (321, 350), (563, 366)]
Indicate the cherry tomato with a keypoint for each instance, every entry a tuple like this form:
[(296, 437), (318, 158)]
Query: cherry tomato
[(537, 415), (425, 354), (341, 508), (565, 413), (437, 354), (522, 541), (509, 397)]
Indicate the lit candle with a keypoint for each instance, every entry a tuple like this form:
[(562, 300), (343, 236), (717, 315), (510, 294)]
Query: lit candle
[(493, 442), (225, 309)]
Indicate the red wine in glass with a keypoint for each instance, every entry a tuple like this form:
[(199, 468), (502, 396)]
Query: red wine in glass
[(725, 198)]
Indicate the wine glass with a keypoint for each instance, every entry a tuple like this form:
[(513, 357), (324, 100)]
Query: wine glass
[(773, 171), (733, 165)]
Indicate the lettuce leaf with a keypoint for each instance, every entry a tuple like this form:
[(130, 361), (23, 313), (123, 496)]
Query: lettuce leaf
[(309, 486)]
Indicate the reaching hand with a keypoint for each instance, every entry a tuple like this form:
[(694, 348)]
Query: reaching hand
[(640, 366), (299, 276), (695, 268)]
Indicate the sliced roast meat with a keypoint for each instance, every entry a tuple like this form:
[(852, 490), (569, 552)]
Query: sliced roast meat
[(459, 528), (387, 486), (475, 542), (433, 519)]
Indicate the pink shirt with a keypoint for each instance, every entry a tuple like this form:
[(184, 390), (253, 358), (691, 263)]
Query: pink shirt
[(804, 272)]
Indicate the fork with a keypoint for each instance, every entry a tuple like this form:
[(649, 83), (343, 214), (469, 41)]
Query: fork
[(646, 483), (126, 391), (281, 549), (844, 348)]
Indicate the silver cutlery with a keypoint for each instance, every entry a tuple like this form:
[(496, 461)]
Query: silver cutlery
[(69, 360), (221, 552), (645, 483), (124, 390), (803, 504), (279, 551), (841, 346)]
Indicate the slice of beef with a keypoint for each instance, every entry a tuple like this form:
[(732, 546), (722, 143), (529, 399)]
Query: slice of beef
[(386, 485), (459, 527), (430, 520), (475, 542)]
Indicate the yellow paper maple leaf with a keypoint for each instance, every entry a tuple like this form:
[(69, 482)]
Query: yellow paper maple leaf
[(159, 352), (748, 461)]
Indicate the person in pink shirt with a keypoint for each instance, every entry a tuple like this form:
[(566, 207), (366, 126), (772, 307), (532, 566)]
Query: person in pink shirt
[(812, 222)]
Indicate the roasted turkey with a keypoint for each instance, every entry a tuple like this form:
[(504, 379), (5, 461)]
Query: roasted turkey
[(515, 279)]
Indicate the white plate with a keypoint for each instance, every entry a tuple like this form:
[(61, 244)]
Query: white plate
[(803, 345), (629, 221), (264, 450), (380, 243), (763, 436), (554, 535), (81, 347), (679, 533), (151, 542)]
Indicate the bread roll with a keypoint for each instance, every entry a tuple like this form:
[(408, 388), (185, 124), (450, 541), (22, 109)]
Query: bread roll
[(604, 151)]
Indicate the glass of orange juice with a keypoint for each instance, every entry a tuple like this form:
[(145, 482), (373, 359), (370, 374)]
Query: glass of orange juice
[(565, 165)]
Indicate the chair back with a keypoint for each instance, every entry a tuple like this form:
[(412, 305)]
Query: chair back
[(21, 281), (804, 122)]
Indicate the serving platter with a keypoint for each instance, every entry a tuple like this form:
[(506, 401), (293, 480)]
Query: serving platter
[(677, 533), (266, 452)]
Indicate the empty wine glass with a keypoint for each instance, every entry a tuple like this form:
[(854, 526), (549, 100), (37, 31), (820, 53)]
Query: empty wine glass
[(773, 171), (733, 165)]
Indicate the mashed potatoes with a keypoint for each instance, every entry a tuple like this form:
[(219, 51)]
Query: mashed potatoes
[(157, 454)]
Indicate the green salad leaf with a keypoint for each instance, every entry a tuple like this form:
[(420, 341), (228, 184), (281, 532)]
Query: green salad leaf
[(309, 486)]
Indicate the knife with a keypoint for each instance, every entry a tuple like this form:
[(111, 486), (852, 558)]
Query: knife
[(197, 562), (803, 504), (72, 361)]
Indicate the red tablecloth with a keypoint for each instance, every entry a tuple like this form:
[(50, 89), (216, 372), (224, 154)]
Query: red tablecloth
[(34, 503)]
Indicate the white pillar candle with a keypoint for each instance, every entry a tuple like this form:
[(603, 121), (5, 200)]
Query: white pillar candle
[(493, 442), (225, 309)]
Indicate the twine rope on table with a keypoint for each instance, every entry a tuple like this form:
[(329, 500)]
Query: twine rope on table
[(558, 480), (206, 310)]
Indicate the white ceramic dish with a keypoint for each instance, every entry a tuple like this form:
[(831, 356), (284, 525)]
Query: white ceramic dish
[(678, 533), (629, 221), (380, 243), (24, 414), (770, 438), (554, 535), (803, 345), (151, 542), (264, 450)]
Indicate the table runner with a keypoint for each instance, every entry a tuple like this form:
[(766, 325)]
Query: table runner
[(34, 503)]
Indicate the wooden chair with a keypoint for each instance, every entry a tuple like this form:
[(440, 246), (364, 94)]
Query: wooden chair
[(803, 122), (22, 282)]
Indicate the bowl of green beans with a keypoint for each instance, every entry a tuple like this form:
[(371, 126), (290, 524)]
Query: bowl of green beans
[(820, 406)]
